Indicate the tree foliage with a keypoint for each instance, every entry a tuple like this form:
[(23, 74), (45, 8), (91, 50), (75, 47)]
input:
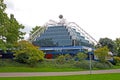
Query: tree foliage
[(34, 29), (81, 56), (61, 59), (117, 60), (102, 53), (117, 43), (10, 29), (27, 53), (2, 5), (107, 42)]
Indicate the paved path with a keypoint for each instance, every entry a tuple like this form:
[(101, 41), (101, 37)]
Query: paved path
[(25, 74)]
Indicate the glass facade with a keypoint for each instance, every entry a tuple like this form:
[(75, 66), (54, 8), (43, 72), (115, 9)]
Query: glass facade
[(56, 36), (59, 38)]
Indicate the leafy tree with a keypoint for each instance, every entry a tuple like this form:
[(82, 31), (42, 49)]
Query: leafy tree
[(15, 27), (117, 42), (2, 5), (10, 29), (34, 29), (27, 53), (3, 21), (108, 42), (13, 33), (102, 53), (2, 45)]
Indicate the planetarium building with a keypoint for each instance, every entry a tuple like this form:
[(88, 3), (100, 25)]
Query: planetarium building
[(62, 38)]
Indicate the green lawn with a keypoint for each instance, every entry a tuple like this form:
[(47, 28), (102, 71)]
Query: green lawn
[(12, 66), (46, 66), (35, 69), (76, 77)]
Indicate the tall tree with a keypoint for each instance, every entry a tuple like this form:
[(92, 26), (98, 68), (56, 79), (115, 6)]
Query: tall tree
[(10, 29), (2, 5), (3, 22), (14, 33), (117, 42), (107, 42)]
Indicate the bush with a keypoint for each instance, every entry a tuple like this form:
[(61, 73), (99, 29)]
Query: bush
[(2, 63), (68, 57), (81, 56), (27, 53), (117, 60), (101, 65), (22, 58), (61, 59), (83, 64), (102, 53)]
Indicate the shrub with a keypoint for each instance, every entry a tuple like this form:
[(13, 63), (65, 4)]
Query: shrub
[(83, 64), (22, 57), (81, 56), (102, 53), (2, 63), (68, 57), (117, 60), (104, 65), (61, 59), (27, 53)]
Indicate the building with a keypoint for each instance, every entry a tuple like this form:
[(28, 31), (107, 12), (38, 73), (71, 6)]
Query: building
[(62, 38)]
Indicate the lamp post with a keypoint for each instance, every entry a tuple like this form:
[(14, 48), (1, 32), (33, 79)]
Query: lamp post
[(90, 60)]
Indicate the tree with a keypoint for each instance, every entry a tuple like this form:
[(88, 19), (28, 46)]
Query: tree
[(13, 32), (3, 20), (107, 42), (10, 29), (117, 43), (38, 30), (27, 53), (2, 5), (102, 53), (34, 29)]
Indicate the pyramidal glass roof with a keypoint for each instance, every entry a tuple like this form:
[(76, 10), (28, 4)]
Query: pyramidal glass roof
[(61, 33)]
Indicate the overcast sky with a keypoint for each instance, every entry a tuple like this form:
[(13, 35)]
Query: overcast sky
[(100, 18)]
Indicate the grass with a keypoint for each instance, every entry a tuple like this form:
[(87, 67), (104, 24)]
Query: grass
[(116, 67), (74, 77), (47, 66), (35, 69)]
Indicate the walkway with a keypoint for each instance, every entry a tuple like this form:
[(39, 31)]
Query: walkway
[(25, 74)]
